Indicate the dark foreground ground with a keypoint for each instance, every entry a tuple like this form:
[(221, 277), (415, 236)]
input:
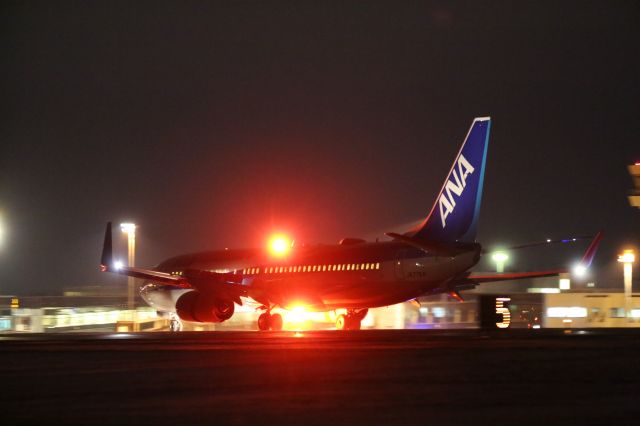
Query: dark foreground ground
[(381, 377)]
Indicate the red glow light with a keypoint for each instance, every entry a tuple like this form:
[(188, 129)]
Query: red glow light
[(279, 245)]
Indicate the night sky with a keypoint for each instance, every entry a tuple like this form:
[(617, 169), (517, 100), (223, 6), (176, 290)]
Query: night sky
[(213, 124)]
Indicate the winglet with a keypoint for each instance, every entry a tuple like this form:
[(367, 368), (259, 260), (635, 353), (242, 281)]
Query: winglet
[(591, 250), (106, 261)]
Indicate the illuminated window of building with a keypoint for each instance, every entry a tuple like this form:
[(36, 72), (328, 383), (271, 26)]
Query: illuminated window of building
[(616, 312)]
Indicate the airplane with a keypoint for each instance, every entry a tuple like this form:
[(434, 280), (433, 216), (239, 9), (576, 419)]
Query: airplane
[(354, 275)]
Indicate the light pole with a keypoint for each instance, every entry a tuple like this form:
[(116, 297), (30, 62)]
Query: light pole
[(627, 258), (130, 230), (500, 258)]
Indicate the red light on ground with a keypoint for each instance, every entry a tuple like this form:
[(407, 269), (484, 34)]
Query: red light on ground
[(279, 245)]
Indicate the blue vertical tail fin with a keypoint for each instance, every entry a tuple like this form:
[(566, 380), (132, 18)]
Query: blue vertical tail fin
[(454, 215)]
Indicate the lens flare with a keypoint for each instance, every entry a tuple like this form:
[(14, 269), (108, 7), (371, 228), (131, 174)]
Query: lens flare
[(279, 245)]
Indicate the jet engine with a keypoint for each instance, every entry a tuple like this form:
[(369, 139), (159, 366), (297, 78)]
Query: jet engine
[(197, 307)]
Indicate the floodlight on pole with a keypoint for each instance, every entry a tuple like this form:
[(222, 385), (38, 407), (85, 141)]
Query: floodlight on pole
[(2, 230), (130, 229), (627, 258), (500, 258)]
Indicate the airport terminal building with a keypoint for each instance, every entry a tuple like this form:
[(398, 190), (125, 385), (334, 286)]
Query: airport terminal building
[(536, 303)]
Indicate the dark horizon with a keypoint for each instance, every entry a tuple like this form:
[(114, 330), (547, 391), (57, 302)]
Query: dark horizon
[(212, 125)]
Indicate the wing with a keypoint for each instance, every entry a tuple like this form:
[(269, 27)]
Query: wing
[(223, 283)]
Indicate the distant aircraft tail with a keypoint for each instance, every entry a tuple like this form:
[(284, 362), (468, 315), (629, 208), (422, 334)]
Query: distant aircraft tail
[(454, 215)]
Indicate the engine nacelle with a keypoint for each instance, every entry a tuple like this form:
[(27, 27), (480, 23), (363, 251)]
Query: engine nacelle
[(197, 307)]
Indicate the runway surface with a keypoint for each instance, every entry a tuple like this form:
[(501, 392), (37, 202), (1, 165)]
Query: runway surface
[(358, 377)]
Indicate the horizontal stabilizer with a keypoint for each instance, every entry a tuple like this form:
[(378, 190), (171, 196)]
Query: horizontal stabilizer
[(487, 278), (442, 249)]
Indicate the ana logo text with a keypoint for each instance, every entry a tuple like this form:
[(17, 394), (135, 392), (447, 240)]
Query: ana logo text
[(456, 186)]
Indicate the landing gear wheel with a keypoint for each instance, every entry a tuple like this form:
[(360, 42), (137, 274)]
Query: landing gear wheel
[(264, 321), (341, 322), (276, 322), (350, 321), (354, 324)]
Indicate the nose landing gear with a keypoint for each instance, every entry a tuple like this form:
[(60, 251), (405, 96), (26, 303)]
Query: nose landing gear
[(175, 324), (352, 320)]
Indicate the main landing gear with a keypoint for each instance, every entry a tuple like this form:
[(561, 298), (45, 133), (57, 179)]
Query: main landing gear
[(269, 321), (352, 320)]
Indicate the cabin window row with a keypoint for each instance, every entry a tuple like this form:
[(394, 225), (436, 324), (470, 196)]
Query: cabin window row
[(312, 268)]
